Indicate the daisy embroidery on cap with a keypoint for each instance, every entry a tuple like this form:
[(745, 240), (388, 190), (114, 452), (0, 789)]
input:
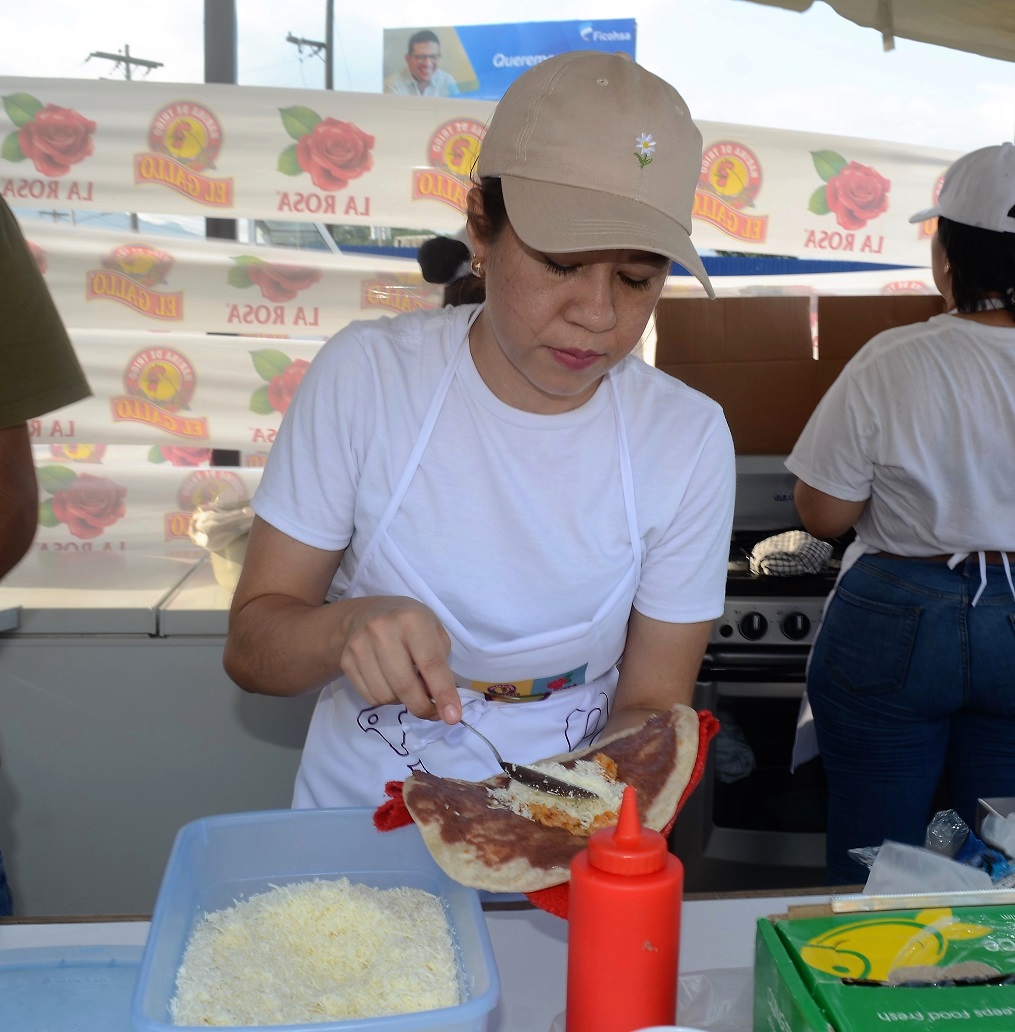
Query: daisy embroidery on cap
[(646, 148)]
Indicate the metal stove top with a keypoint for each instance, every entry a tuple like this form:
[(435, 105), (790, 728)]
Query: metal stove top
[(766, 611)]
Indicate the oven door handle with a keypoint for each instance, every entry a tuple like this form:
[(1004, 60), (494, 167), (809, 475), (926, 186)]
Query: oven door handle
[(754, 665), (751, 688)]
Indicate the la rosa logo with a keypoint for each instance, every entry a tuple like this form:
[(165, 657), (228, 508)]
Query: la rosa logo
[(452, 154), (728, 185), (184, 139)]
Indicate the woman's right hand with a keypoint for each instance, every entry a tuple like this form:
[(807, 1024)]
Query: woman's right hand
[(396, 651), (285, 639)]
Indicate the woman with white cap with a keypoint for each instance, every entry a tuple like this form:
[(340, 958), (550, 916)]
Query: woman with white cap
[(912, 675), (484, 508)]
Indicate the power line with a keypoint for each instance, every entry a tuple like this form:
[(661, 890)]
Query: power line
[(321, 48), (126, 60)]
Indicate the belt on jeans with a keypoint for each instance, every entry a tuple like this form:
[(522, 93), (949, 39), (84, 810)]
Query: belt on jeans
[(989, 557)]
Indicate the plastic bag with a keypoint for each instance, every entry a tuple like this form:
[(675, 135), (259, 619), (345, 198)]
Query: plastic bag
[(900, 868), (720, 1000), (223, 528), (949, 835), (999, 832)]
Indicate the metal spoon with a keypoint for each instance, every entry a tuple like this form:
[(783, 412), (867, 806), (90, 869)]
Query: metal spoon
[(532, 777)]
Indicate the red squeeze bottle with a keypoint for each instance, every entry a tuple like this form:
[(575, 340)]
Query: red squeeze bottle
[(623, 928)]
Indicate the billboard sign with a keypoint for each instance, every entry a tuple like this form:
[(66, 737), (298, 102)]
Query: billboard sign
[(481, 61)]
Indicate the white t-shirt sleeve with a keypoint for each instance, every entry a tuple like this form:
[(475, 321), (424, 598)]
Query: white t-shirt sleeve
[(308, 487), (833, 452), (683, 576)]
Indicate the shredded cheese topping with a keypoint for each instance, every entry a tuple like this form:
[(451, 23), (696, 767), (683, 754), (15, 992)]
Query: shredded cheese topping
[(579, 816), (317, 951)]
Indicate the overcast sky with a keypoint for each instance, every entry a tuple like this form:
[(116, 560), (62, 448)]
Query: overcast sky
[(733, 61)]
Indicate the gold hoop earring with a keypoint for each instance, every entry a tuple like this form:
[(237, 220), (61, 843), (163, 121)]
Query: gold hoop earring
[(476, 265)]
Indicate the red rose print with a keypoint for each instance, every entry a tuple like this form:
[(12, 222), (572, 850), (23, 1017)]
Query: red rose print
[(89, 504), (334, 152), (179, 456), (282, 387), (856, 195), (281, 282), (55, 139)]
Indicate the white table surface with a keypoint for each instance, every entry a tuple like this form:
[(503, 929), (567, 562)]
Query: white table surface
[(91, 592), (198, 605), (530, 947)]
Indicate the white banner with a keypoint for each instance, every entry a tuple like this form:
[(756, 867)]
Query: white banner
[(380, 159), (103, 501), (188, 390), (103, 279)]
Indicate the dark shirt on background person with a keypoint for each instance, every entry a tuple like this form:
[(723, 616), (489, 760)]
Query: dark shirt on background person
[(42, 374)]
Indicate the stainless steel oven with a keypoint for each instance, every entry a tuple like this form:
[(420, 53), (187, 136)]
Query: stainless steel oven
[(752, 823)]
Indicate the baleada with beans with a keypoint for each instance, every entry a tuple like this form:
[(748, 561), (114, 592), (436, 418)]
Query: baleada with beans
[(501, 837)]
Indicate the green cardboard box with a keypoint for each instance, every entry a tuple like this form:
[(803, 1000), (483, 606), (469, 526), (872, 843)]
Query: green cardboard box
[(835, 972)]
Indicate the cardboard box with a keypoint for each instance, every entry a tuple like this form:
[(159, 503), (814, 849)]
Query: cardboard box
[(756, 355), (833, 972)]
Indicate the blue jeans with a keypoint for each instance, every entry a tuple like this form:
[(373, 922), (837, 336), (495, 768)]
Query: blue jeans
[(913, 693)]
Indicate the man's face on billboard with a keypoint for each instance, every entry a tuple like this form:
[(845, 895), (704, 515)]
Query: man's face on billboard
[(423, 60)]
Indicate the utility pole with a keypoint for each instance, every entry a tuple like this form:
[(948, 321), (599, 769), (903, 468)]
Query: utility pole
[(329, 35), (126, 60), (316, 47), (220, 64)]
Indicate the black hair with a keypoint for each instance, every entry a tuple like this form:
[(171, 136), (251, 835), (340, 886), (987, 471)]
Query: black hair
[(982, 264), (423, 36), (466, 290), (494, 217), (440, 258)]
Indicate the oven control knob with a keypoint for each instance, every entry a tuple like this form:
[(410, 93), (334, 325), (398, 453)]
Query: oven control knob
[(753, 626), (796, 626)]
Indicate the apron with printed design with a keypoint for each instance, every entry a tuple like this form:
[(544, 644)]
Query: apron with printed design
[(567, 675)]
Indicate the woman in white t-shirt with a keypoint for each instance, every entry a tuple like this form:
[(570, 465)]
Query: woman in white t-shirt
[(912, 675), (482, 509)]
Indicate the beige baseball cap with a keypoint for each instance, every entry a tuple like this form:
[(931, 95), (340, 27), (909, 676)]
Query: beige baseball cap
[(594, 152)]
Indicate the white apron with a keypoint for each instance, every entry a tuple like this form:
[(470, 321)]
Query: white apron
[(567, 675), (805, 743)]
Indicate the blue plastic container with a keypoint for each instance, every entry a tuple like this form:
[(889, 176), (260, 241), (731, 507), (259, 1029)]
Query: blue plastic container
[(67, 988), (218, 861)]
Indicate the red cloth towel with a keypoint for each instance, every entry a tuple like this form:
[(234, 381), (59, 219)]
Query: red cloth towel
[(395, 814)]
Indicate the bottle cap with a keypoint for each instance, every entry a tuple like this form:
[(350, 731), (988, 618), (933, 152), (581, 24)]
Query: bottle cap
[(627, 848)]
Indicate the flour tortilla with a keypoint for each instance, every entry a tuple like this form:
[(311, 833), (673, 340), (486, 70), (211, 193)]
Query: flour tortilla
[(492, 848)]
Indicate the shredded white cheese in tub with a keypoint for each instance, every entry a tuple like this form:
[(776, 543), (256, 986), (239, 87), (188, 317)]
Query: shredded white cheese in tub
[(317, 951)]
